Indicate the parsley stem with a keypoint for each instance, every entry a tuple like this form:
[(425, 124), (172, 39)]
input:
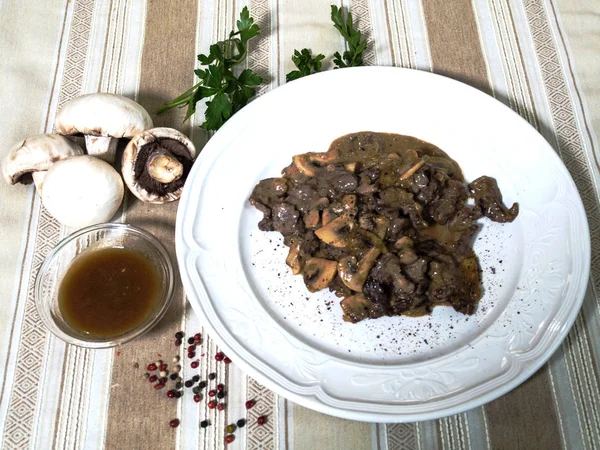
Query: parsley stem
[(181, 100)]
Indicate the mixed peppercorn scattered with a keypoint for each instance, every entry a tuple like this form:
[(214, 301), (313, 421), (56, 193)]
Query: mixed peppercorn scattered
[(166, 373)]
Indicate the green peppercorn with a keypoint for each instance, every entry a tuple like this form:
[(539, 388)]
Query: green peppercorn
[(196, 389), (231, 428)]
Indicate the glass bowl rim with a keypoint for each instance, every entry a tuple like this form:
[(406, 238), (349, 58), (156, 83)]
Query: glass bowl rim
[(44, 311)]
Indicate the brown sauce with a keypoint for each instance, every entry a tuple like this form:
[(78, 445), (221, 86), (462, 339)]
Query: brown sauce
[(108, 292), (382, 220)]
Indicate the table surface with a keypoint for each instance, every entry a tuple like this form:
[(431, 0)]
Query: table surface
[(540, 57)]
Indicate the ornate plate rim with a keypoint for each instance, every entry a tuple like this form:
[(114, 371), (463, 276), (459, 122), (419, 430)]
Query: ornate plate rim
[(187, 254)]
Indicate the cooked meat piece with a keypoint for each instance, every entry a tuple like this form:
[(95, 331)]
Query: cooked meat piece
[(388, 208), (488, 197), (285, 218), (452, 197)]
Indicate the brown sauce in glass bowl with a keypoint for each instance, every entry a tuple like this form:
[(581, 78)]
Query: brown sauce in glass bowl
[(108, 292)]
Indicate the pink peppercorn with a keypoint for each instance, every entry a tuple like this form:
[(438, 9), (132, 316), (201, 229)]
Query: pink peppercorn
[(174, 423), (194, 364), (212, 404), (249, 404), (219, 356), (261, 420), (151, 367), (227, 360), (221, 406), (197, 398)]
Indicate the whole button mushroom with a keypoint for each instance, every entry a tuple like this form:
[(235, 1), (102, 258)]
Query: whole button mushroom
[(82, 191), (102, 119), (34, 156), (156, 163)]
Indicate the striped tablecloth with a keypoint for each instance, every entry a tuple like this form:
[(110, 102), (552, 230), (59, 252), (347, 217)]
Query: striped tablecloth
[(58, 396)]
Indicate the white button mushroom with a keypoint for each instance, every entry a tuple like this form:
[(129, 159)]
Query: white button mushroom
[(102, 119), (82, 191), (156, 163), (34, 156)]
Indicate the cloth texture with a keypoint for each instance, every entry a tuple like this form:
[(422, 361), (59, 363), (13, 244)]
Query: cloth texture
[(539, 57)]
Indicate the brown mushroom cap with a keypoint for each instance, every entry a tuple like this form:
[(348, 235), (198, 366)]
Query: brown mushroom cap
[(36, 154), (156, 163)]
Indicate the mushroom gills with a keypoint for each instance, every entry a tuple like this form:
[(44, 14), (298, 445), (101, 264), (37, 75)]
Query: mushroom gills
[(151, 176), (319, 273)]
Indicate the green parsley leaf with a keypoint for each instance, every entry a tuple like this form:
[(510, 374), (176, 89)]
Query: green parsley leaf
[(306, 64), (225, 93), (356, 45)]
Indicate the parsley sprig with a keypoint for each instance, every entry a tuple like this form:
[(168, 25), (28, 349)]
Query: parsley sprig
[(225, 93), (306, 64), (356, 45), (353, 56)]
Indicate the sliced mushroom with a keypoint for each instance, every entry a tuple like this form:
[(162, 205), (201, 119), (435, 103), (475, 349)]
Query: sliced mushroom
[(156, 163), (355, 308), (350, 167), (374, 223), (102, 119), (294, 259), (304, 165), (34, 156), (353, 273), (410, 172), (404, 249), (319, 273), (82, 190), (311, 220), (327, 216), (335, 232)]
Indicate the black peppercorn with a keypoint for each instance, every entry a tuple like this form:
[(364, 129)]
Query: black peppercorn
[(212, 376), (204, 423), (179, 335), (241, 423), (190, 340), (173, 376), (196, 378), (220, 394), (202, 384), (189, 383)]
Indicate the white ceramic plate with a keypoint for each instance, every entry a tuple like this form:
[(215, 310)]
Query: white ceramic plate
[(392, 369)]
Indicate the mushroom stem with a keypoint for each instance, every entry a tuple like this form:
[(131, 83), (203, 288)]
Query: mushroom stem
[(38, 180), (103, 147), (164, 167)]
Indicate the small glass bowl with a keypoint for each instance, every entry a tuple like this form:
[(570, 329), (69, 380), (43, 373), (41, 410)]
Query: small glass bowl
[(95, 237)]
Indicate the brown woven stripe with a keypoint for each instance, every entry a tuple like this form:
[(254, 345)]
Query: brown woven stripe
[(525, 417), (138, 415), (454, 42)]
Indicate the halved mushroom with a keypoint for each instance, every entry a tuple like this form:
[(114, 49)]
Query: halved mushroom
[(82, 190), (156, 163), (34, 156), (353, 273), (103, 119), (319, 273), (311, 220), (355, 308), (294, 259), (335, 232)]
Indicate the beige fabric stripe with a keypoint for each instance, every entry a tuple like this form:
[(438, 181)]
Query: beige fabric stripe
[(455, 49), (138, 416), (454, 41), (525, 417)]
